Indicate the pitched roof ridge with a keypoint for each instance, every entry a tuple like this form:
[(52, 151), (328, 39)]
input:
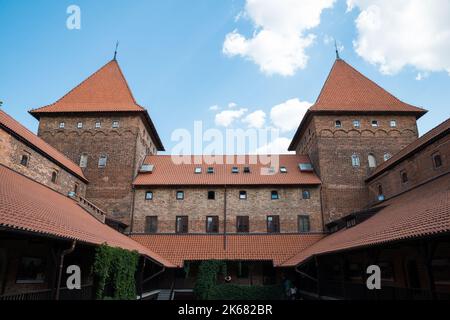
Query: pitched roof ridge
[(44, 142)]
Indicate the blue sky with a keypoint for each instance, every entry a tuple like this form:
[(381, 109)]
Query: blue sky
[(172, 54)]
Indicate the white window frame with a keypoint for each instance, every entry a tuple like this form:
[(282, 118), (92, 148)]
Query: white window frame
[(80, 125), (62, 125)]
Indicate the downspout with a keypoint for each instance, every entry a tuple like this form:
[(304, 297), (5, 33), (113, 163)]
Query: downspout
[(225, 218), (133, 188), (61, 264), (321, 209)]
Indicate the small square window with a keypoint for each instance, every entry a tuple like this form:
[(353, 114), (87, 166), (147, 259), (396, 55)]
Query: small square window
[(275, 195), (80, 125), (24, 160), (235, 170), (243, 195), (180, 195), (393, 123), (62, 125), (338, 124), (306, 194), (198, 170), (149, 195), (102, 161), (115, 124), (283, 170), (375, 123), (98, 125), (437, 160), (210, 170), (83, 160), (211, 195), (356, 124), (246, 169)]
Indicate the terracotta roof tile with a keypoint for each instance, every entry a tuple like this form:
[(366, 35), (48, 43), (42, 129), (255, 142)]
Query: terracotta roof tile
[(421, 212), (346, 89), (251, 247), (166, 172), (26, 205), (414, 147), (29, 137)]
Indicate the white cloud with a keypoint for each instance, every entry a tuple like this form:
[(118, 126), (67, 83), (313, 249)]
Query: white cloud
[(278, 146), (227, 117), (281, 35), (232, 105), (288, 115), (214, 107), (421, 76), (255, 119), (394, 34)]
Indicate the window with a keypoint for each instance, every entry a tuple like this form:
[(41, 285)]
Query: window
[(375, 123), (151, 224), (235, 170), (283, 170), (404, 176), (182, 224), (243, 270), (211, 195), (54, 176), (351, 222), (393, 123), (243, 195), (98, 125), (83, 160), (246, 169), (75, 188), (24, 160), (380, 193), (437, 160), (306, 194), (149, 195), (80, 125), (212, 224), (210, 170), (102, 161), (338, 124), (180, 195), (372, 161), (303, 224), (115, 124), (275, 195), (242, 224), (387, 156), (356, 124), (355, 160), (62, 125), (198, 170), (273, 224)]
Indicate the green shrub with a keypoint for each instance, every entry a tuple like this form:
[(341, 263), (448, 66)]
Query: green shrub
[(115, 268), (244, 292), (207, 277)]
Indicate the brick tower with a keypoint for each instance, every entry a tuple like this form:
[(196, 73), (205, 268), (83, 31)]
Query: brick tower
[(99, 125), (353, 126)]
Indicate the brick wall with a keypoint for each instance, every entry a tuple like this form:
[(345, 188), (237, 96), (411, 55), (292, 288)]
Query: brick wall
[(197, 206), (419, 167), (39, 167), (343, 186), (125, 147)]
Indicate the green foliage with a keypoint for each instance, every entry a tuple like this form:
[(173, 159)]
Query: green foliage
[(207, 277), (242, 292), (116, 268)]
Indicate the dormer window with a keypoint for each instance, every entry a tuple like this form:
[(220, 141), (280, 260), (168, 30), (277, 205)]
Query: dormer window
[(80, 125), (210, 170), (375, 123), (198, 170), (283, 170), (62, 125), (235, 170), (338, 124)]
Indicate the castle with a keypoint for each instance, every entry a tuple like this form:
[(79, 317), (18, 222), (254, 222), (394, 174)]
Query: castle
[(357, 153)]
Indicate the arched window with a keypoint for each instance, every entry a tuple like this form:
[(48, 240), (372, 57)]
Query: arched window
[(372, 161), (387, 156), (355, 160), (54, 176)]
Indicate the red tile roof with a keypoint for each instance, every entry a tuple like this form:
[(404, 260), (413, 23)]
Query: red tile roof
[(416, 146), (28, 137), (166, 172), (346, 90), (26, 205), (106, 90), (251, 247), (421, 212)]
